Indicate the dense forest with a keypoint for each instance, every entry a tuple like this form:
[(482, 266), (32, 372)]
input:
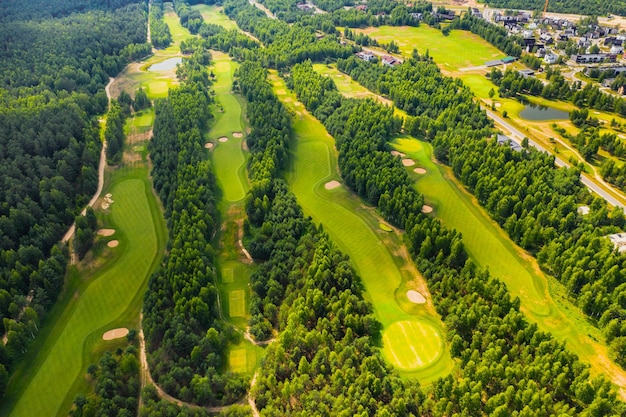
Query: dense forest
[(55, 59), (587, 7), (160, 35), (186, 339)]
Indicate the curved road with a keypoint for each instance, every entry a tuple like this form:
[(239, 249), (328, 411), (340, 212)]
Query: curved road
[(518, 136)]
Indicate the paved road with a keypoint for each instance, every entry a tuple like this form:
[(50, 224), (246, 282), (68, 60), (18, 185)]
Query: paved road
[(518, 136)]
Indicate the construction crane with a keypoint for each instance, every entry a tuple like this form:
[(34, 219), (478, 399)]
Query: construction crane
[(545, 8)]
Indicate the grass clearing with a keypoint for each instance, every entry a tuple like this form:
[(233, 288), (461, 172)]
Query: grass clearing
[(215, 15), (228, 275), (460, 49), (237, 360), (379, 257), (108, 297), (411, 344)]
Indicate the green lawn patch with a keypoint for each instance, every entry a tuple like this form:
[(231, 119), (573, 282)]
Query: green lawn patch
[(460, 49), (236, 303), (109, 298), (237, 360), (228, 276), (374, 253), (385, 227), (411, 344), (215, 14)]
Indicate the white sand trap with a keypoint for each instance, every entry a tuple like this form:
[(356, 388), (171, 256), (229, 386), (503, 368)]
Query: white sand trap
[(115, 333), (106, 232), (396, 153), (237, 135), (113, 243), (415, 297), (427, 209), (408, 162), (208, 145), (420, 171), (332, 185), (109, 195), (105, 206), (223, 139)]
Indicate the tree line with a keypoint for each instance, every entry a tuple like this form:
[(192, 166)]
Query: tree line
[(160, 35), (591, 7)]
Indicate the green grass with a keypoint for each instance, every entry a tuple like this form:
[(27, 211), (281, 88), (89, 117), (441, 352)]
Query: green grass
[(411, 344), (376, 255), (228, 275), (111, 297), (543, 299), (460, 49), (229, 158), (237, 303), (215, 14), (384, 227), (237, 360)]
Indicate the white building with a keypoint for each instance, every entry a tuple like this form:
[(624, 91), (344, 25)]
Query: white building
[(619, 241), (550, 58)]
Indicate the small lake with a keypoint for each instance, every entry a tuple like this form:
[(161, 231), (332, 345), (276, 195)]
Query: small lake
[(168, 64), (541, 113)]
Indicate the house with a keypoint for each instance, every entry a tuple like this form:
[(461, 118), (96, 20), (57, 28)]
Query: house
[(611, 41), (417, 16), (583, 42), (607, 82), (541, 52), (304, 7), (526, 73), (508, 59), (493, 63), (619, 241), (448, 16), (507, 141), (365, 55), (546, 38), (563, 37), (550, 58), (583, 210), (476, 13), (361, 7), (570, 32), (527, 34), (593, 58), (390, 61), (616, 49)]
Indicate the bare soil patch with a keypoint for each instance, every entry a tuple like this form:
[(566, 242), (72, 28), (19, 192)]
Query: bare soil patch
[(223, 139), (106, 232), (420, 171), (396, 153), (237, 135), (427, 209), (115, 333), (113, 243), (415, 297), (332, 185), (208, 145), (408, 162)]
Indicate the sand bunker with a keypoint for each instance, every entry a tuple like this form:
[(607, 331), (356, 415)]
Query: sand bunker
[(105, 206), (408, 162), (427, 209), (106, 232), (113, 243), (223, 139), (332, 185), (420, 171), (415, 297), (208, 145), (396, 153), (237, 135), (115, 333)]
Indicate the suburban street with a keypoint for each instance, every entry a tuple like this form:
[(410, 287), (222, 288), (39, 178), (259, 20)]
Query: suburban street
[(518, 136)]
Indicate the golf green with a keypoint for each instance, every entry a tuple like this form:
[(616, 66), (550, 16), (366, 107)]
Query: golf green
[(411, 344)]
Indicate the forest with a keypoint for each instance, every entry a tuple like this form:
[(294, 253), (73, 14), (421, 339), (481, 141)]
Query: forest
[(587, 7), (55, 59)]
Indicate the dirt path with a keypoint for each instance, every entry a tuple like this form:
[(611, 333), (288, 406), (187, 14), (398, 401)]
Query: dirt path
[(70, 232), (261, 7)]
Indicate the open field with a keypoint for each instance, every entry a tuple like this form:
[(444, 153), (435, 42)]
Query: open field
[(460, 49), (379, 257), (108, 297), (543, 299), (228, 157)]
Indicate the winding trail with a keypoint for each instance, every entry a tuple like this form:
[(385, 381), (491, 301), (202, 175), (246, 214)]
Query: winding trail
[(264, 9), (70, 232)]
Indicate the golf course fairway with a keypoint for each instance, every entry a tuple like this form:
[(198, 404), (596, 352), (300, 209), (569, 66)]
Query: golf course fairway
[(107, 297), (377, 255)]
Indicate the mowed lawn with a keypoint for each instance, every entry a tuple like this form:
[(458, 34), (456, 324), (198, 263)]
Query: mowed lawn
[(101, 303), (228, 157), (352, 227), (460, 49), (410, 344)]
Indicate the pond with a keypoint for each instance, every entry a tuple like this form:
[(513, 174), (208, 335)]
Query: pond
[(541, 113), (168, 64)]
